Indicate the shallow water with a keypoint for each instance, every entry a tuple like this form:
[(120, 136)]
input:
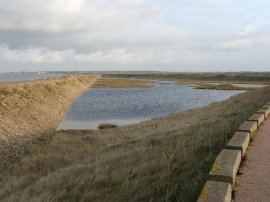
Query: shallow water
[(7, 77), (132, 105)]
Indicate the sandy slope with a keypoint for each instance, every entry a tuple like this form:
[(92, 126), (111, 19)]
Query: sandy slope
[(29, 108)]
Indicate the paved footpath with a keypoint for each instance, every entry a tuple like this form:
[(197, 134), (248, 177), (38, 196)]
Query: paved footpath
[(254, 183)]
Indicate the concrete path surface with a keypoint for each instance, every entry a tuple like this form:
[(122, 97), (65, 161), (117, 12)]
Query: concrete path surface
[(254, 182)]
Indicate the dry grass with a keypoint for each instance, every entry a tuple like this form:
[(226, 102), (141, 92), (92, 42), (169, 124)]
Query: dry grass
[(123, 83), (30, 108), (165, 159)]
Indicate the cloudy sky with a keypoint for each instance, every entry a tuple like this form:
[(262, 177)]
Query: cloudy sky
[(161, 35)]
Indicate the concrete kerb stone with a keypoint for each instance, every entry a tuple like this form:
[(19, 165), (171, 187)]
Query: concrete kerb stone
[(225, 166), (257, 117), (249, 126), (239, 141), (266, 106), (216, 192), (266, 112)]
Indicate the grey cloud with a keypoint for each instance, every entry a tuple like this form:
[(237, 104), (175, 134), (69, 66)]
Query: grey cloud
[(244, 43), (127, 34)]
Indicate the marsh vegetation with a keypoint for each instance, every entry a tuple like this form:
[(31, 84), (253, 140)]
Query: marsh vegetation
[(165, 159)]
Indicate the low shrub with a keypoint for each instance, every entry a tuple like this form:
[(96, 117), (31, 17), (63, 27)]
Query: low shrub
[(106, 126)]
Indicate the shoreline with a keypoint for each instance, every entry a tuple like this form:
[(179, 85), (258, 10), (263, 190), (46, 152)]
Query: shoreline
[(169, 146), (93, 124)]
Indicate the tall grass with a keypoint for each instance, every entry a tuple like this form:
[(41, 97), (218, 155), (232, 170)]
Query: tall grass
[(165, 159)]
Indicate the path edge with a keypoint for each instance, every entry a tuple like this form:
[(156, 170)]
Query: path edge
[(222, 177)]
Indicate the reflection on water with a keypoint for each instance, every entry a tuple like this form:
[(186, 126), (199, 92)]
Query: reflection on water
[(124, 106)]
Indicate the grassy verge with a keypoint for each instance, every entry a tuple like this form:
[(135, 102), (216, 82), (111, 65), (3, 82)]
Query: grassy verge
[(165, 159), (123, 83)]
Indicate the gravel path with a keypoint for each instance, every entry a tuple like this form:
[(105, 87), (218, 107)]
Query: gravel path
[(254, 183)]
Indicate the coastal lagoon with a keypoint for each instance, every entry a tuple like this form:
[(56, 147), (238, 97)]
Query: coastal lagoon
[(123, 106)]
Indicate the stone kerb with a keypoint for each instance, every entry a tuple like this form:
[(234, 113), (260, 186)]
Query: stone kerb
[(259, 118), (266, 106), (226, 166), (266, 112), (215, 192), (249, 126), (239, 141)]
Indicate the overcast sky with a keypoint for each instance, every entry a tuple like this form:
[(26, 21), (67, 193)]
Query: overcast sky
[(161, 35)]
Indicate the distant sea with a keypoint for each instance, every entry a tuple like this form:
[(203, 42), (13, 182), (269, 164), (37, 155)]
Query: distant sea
[(25, 76)]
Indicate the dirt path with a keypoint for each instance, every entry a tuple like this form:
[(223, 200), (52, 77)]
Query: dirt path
[(254, 184)]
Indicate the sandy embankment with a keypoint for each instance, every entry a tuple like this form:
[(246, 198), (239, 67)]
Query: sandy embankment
[(29, 109)]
